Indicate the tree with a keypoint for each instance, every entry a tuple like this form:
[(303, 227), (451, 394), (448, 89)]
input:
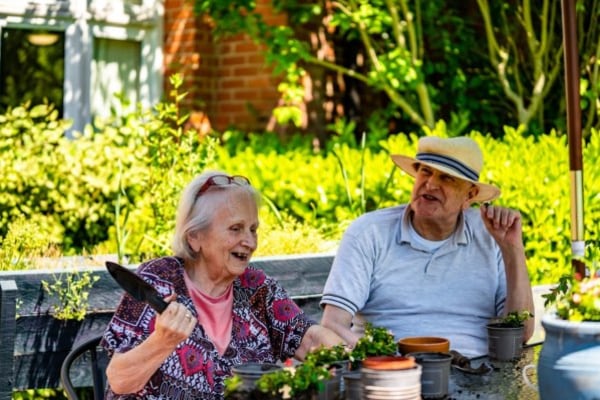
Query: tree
[(526, 52), (388, 31), (588, 34), (423, 61)]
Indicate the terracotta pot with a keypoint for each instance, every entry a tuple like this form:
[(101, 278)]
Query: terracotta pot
[(388, 362), (393, 377), (419, 344)]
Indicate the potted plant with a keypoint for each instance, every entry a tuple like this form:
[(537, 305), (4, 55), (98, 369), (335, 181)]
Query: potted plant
[(337, 360), (376, 341), (245, 375), (505, 335), (319, 375), (570, 358), (303, 381), (339, 354)]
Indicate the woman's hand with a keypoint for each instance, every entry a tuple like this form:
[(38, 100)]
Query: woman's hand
[(317, 336), (175, 324), (129, 372)]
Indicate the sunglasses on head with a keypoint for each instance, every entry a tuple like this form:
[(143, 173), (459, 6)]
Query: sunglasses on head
[(222, 180)]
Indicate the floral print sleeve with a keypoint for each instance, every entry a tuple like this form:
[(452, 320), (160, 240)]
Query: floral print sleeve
[(133, 320), (268, 304), (267, 326)]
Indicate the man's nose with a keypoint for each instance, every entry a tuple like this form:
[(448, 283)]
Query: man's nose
[(432, 181)]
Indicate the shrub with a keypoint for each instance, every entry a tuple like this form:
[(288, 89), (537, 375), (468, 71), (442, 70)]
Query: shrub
[(22, 244), (71, 292), (115, 189), (577, 298)]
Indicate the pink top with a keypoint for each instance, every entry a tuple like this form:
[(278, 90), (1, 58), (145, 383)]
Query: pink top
[(214, 314)]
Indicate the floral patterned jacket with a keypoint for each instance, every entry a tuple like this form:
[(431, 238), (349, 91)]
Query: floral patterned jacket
[(267, 326)]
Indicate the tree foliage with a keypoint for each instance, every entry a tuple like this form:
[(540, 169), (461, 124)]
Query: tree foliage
[(525, 49), (476, 65)]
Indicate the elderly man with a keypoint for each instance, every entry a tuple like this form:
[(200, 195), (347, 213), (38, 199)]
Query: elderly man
[(436, 266)]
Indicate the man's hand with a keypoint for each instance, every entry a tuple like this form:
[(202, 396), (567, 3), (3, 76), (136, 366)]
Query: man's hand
[(503, 224)]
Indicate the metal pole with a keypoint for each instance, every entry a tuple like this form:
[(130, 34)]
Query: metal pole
[(571, 58)]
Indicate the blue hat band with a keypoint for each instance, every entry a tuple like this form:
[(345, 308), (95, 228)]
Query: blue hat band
[(449, 162)]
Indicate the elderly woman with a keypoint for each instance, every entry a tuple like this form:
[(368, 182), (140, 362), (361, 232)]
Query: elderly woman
[(221, 312)]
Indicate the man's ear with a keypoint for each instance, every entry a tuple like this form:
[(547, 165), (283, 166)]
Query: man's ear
[(473, 192)]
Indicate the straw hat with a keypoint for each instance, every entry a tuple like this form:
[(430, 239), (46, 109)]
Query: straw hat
[(459, 157)]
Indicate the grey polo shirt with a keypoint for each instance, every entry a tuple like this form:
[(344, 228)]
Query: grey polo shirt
[(380, 275)]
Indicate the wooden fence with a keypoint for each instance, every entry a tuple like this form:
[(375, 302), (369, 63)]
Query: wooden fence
[(33, 344)]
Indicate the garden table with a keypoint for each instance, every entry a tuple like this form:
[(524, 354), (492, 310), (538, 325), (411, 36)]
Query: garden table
[(504, 382)]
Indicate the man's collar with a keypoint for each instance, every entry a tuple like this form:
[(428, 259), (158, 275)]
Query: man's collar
[(459, 236)]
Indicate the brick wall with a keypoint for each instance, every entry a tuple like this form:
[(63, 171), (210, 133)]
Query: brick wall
[(228, 82)]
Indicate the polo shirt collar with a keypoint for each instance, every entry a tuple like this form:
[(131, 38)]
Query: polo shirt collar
[(403, 236)]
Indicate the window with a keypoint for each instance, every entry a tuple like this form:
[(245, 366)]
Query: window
[(115, 74), (32, 67), (89, 54)]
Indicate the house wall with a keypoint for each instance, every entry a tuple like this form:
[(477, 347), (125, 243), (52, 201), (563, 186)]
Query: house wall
[(228, 82)]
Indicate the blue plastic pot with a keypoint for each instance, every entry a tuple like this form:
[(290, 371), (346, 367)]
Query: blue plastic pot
[(569, 363)]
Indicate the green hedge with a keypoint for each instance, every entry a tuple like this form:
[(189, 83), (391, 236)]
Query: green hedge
[(115, 188), (533, 174)]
